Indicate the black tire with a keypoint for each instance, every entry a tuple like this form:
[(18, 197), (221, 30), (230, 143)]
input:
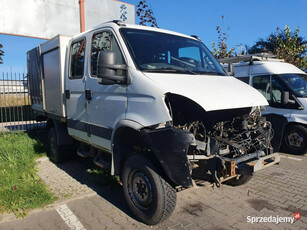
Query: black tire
[(295, 139), (243, 179), (151, 199), (55, 152)]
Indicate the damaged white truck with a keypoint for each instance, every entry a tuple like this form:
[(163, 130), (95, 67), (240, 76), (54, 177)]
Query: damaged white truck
[(150, 105)]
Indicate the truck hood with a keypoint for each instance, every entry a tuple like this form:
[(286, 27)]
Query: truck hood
[(210, 92)]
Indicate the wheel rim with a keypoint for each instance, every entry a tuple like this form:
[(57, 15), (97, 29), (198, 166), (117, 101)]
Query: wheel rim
[(295, 140), (52, 142), (140, 190)]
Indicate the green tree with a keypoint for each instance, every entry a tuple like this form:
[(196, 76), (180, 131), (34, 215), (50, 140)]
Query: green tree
[(146, 15), (1, 54), (285, 45), (221, 51), (291, 49)]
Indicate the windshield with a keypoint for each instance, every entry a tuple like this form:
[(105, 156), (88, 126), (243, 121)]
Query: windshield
[(160, 52), (297, 82)]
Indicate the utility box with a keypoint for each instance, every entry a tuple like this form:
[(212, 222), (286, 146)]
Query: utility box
[(47, 93)]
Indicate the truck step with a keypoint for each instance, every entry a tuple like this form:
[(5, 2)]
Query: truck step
[(83, 154), (102, 164), (103, 160)]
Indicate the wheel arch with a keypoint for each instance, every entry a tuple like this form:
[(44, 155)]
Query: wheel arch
[(130, 138), (118, 140), (295, 123)]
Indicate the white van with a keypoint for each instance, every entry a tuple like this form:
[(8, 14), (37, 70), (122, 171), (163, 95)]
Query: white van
[(285, 88)]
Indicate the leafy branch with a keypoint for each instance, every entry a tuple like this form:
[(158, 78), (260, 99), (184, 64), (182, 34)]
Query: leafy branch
[(1, 54), (146, 15), (221, 51)]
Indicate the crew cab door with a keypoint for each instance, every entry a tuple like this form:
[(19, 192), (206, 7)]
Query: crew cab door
[(106, 104), (74, 89)]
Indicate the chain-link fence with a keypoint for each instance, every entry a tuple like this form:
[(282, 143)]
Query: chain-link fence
[(15, 104)]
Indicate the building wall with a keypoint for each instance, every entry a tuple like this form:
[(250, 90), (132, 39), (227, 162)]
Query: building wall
[(47, 18)]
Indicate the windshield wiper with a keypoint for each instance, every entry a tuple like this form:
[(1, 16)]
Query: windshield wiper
[(170, 70), (209, 72)]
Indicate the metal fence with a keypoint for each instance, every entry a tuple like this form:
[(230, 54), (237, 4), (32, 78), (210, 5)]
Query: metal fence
[(15, 104)]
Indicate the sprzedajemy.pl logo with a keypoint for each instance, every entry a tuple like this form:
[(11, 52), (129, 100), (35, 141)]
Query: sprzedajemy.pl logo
[(273, 219)]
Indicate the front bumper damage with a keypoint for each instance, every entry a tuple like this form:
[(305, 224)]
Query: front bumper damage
[(171, 147), (248, 164)]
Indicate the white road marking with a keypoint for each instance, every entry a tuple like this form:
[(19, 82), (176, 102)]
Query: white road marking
[(70, 219), (292, 158)]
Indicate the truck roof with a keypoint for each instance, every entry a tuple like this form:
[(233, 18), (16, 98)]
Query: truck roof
[(118, 24), (265, 67)]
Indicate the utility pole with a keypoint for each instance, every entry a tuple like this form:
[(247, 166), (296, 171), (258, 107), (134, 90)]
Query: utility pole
[(82, 21)]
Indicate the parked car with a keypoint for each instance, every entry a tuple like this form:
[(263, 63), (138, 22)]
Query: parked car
[(285, 88), (150, 105)]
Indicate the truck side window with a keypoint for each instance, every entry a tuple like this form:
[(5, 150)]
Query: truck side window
[(77, 53), (277, 89), (103, 41), (271, 89), (262, 84), (244, 79)]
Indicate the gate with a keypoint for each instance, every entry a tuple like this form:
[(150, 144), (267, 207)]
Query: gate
[(15, 104)]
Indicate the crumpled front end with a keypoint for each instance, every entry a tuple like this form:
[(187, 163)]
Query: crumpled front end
[(230, 143)]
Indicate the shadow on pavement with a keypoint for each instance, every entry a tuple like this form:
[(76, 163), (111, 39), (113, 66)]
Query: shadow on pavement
[(85, 172), (105, 185)]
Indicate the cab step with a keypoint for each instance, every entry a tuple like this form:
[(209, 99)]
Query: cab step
[(85, 151), (83, 154), (103, 160), (103, 164)]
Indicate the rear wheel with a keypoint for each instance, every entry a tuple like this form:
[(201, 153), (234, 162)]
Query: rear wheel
[(55, 152), (150, 198), (295, 139)]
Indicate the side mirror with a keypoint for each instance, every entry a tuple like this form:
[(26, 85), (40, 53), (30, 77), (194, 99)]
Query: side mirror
[(285, 98), (230, 70), (108, 72)]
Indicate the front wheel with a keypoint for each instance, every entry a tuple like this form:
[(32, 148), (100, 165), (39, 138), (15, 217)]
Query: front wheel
[(150, 198), (295, 139), (242, 179)]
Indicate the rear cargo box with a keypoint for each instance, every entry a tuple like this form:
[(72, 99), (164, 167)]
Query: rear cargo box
[(46, 71)]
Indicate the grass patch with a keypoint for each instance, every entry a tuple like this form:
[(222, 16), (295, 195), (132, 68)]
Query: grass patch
[(103, 175), (20, 187), (18, 99)]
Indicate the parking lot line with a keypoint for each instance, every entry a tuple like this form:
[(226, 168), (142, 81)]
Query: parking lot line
[(292, 158), (70, 219)]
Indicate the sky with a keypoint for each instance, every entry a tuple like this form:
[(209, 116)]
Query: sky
[(247, 20)]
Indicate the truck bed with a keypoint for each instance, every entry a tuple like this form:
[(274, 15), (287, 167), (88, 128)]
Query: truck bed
[(46, 71)]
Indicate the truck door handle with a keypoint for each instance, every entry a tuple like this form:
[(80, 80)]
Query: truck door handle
[(67, 93), (88, 94)]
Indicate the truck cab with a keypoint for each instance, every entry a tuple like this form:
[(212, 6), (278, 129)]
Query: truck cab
[(285, 88), (150, 106)]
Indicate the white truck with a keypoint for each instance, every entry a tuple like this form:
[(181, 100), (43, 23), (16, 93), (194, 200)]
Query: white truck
[(149, 105), (285, 88)]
